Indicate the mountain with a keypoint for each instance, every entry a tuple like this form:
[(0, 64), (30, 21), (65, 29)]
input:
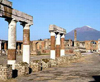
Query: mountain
[(84, 33)]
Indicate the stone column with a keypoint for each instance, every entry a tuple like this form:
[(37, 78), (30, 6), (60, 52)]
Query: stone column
[(26, 43), (62, 51), (58, 45), (12, 42), (5, 46), (75, 38), (18, 48), (52, 51)]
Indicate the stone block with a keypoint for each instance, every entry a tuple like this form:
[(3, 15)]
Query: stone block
[(5, 72), (35, 65), (53, 63), (59, 60), (45, 63), (23, 68)]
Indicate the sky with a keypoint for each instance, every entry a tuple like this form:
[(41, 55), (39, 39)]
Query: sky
[(68, 14)]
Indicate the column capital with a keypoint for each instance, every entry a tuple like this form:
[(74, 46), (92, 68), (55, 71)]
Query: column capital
[(52, 33), (62, 35), (9, 20), (25, 25), (57, 33)]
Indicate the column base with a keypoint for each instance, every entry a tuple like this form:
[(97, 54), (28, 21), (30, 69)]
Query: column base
[(62, 52), (52, 54), (26, 53), (12, 62)]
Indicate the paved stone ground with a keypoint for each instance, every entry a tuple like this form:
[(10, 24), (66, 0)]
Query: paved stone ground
[(3, 58), (85, 70)]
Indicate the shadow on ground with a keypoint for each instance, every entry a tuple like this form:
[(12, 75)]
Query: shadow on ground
[(14, 73), (96, 78)]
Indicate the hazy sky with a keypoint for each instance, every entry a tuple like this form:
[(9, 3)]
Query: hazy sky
[(68, 14)]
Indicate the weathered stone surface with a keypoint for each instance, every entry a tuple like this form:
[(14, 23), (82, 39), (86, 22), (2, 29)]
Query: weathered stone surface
[(77, 53), (52, 42), (11, 54), (54, 28), (45, 63), (57, 50), (6, 2), (7, 11), (5, 72), (20, 16), (53, 63), (35, 65), (26, 37), (23, 68)]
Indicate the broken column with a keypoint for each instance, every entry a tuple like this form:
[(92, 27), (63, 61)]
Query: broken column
[(75, 38), (12, 42), (26, 43), (58, 45), (62, 51)]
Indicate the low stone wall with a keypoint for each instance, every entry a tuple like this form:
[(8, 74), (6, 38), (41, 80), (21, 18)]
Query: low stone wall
[(5, 72), (67, 51), (45, 63), (35, 65), (23, 68), (39, 65), (53, 63)]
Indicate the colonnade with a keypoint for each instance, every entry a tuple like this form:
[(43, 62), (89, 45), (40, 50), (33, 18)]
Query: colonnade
[(13, 16), (57, 41), (12, 42)]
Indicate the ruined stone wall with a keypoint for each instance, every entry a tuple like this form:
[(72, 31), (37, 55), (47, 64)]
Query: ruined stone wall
[(5, 72), (68, 51), (91, 46), (39, 65), (22, 68)]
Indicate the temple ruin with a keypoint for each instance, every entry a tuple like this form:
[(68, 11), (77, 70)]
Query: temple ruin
[(59, 49), (12, 16)]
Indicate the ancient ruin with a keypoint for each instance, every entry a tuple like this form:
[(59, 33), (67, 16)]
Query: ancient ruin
[(12, 16), (40, 54), (57, 51)]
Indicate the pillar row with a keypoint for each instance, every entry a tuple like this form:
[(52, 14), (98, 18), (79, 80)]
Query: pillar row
[(12, 42), (52, 51), (58, 45), (26, 43), (62, 51)]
